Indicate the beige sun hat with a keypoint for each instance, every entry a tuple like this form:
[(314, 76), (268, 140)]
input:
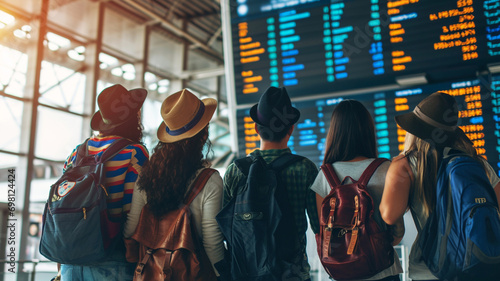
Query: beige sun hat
[(184, 115)]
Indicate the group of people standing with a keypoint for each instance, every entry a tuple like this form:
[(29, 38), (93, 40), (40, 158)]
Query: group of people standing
[(161, 181)]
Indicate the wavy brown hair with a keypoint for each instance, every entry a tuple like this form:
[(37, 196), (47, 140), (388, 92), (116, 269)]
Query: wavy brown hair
[(164, 178)]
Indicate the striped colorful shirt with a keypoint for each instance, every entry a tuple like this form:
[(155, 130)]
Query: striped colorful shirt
[(121, 171)]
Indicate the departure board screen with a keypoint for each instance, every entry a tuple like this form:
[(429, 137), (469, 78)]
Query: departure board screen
[(478, 100), (316, 46)]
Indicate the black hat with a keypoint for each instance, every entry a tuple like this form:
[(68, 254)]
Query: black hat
[(116, 106), (274, 109), (434, 120)]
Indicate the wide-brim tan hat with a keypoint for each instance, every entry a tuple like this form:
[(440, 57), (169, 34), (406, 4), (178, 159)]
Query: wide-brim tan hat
[(184, 115)]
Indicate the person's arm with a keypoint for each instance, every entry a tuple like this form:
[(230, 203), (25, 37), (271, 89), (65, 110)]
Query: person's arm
[(229, 183), (396, 191), (398, 231), (211, 233), (138, 201), (312, 210)]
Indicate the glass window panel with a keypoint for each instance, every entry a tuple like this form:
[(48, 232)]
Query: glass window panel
[(62, 87), (120, 30), (151, 120), (57, 134), (45, 174), (159, 58), (11, 111), (13, 66)]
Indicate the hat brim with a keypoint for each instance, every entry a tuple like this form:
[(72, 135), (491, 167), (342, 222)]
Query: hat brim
[(253, 115), (433, 135), (98, 124), (210, 106)]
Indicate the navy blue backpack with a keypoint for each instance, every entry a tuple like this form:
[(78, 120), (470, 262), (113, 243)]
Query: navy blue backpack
[(76, 227), (258, 223), (461, 238)]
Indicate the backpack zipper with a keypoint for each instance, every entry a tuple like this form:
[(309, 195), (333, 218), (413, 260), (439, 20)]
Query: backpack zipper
[(75, 210)]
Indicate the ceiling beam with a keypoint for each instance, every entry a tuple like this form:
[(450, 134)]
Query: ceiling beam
[(173, 28)]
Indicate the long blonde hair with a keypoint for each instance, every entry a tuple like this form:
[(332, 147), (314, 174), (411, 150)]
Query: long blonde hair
[(426, 170), (427, 165)]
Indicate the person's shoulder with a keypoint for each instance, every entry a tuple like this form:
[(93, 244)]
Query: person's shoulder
[(305, 163), (385, 165), (400, 165), (139, 149), (231, 171)]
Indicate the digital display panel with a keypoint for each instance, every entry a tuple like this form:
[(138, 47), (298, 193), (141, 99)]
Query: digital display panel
[(478, 100), (316, 47)]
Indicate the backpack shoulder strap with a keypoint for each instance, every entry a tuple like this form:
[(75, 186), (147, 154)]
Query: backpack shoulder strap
[(330, 175), (114, 148), (198, 185), (243, 164), (284, 161), (367, 174), (81, 153)]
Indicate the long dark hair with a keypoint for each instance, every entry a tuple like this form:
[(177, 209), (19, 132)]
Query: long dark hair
[(351, 133), (164, 178), (131, 129)]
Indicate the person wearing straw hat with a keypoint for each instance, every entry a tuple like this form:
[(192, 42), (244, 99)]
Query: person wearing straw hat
[(118, 117), (274, 118), (432, 128), (176, 162)]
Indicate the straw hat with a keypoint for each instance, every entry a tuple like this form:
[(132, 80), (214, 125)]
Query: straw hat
[(184, 115), (434, 120), (274, 109), (116, 106)]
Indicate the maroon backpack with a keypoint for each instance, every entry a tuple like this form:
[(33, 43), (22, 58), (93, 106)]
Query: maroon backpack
[(350, 243)]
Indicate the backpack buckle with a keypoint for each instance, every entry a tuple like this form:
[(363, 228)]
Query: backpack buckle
[(140, 266)]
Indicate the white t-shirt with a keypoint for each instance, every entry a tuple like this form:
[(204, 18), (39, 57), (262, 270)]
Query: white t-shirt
[(375, 189)]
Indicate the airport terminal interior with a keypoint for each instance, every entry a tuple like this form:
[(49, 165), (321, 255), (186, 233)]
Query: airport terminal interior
[(56, 56)]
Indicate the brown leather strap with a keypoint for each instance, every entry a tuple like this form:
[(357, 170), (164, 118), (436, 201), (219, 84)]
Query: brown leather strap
[(168, 258), (327, 235), (331, 216), (144, 261), (198, 185), (330, 175), (352, 243), (367, 174)]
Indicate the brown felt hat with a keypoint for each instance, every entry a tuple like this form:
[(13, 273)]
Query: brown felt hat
[(184, 115), (116, 106), (435, 120)]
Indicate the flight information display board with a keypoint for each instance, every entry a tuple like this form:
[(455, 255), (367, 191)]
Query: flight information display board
[(317, 46), (479, 105)]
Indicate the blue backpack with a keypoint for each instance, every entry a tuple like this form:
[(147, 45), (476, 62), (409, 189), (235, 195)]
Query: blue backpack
[(258, 223), (76, 227), (461, 238)]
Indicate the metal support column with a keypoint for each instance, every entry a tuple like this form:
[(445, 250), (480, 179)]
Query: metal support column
[(33, 74)]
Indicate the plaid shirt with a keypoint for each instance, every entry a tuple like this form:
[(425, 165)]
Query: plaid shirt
[(299, 176)]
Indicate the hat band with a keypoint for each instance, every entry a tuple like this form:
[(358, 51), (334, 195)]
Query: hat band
[(431, 121), (190, 125)]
